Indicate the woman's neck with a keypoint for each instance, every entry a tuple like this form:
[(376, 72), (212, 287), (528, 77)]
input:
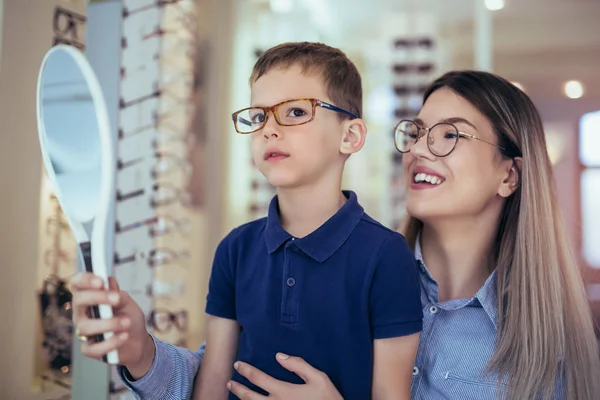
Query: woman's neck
[(459, 255)]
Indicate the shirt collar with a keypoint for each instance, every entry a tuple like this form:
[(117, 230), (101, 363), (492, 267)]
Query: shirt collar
[(486, 296), (323, 242)]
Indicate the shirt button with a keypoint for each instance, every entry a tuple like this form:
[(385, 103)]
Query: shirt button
[(291, 282), (433, 309), (415, 371)]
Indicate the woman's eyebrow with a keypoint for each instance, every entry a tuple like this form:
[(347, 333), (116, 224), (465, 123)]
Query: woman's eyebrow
[(458, 120), (453, 120)]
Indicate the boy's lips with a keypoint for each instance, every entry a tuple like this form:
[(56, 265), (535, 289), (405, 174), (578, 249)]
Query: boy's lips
[(275, 154)]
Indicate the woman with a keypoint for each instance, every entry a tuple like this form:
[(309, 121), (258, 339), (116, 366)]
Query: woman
[(501, 291)]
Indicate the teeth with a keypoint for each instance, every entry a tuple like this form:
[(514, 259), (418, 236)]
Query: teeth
[(434, 180)]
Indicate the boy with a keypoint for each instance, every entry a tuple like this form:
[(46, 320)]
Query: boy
[(317, 277)]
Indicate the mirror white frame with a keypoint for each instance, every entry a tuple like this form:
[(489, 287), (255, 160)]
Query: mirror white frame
[(88, 220)]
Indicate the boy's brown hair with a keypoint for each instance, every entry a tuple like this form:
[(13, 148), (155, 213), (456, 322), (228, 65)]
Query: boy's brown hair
[(340, 76)]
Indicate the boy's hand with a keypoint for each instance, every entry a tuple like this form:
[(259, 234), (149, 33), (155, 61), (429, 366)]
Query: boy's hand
[(134, 344), (317, 387)]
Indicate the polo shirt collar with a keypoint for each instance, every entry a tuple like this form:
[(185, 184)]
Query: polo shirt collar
[(486, 296), (323, 242)]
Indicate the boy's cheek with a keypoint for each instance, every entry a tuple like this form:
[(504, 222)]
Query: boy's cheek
[(256, 149)]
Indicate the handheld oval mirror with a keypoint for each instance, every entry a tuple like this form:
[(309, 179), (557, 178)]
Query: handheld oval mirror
[(78, 153)]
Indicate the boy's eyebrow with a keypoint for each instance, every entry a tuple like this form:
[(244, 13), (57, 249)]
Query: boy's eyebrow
[(453, 120)]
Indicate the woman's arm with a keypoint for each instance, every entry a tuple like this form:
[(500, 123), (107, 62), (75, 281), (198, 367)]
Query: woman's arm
[(393, 362), (217, 367), (170, 376)]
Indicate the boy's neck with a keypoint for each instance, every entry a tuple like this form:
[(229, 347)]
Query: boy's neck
[(304, 209)]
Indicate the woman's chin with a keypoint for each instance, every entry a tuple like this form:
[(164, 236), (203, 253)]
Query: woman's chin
[(422, 211)]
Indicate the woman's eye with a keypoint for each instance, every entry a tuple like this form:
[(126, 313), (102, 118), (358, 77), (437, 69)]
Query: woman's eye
[(450, 135)]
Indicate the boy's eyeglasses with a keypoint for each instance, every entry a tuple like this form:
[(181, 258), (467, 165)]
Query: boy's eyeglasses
[(441, 138), (287, 113)]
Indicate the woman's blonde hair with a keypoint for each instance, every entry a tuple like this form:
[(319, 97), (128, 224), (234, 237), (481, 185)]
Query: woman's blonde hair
[(545, 326)]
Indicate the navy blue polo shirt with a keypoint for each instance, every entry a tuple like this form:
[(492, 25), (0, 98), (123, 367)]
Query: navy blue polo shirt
[(325, 297)]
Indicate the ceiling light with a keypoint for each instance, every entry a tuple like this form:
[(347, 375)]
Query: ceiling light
[(494, 5), (573, 89)]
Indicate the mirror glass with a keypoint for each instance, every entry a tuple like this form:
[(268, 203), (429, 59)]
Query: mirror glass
[(71, 133)]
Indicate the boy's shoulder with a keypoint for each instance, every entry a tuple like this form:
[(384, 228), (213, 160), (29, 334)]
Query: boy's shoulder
[(381, 242), (248, 232), (370, 227)]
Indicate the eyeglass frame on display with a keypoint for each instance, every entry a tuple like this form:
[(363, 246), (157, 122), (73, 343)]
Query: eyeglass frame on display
[(173, 318), (175, 255)]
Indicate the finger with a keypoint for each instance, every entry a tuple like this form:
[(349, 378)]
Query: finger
[(300, 367), (243, 392), (90, 298), (83, 300), (80, 313), (258, 377), (98, 349), (113, 284), (91, 327), (85, 281)]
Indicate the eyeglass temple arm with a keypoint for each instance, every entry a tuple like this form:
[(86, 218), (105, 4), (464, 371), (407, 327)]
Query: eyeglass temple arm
[(478, 138), (336, 109)]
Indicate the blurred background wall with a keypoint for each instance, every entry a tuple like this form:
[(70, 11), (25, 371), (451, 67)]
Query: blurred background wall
[(550, 48)]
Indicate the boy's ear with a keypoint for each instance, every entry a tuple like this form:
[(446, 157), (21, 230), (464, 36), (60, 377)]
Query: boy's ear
[(353, 137)]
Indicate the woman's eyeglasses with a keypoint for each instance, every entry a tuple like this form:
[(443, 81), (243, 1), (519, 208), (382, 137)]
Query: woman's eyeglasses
[(441, 138), (287, 113)]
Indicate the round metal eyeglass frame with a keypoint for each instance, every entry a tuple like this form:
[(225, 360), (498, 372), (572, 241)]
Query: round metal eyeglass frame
[(273, 110), (426, 133)]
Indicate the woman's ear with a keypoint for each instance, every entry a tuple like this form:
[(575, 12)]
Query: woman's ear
[(512, 178)]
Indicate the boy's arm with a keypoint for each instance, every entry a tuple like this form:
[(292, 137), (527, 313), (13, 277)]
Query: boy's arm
[(396, 319), (222, 329), (217, 367), (393, 361)]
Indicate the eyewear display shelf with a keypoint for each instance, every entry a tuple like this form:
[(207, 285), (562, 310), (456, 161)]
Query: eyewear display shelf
[(414, 64), (142, 54)]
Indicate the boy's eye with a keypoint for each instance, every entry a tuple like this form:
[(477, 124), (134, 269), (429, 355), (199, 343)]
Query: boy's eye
[(296, 112), (257, 118)]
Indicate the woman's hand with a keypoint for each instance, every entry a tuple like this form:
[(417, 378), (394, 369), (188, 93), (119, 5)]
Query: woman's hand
[(317, 385)]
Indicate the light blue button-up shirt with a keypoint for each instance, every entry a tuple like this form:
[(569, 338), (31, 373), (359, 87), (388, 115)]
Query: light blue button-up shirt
[(456, 343)]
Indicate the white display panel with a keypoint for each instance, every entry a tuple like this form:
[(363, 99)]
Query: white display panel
[(590, 216)]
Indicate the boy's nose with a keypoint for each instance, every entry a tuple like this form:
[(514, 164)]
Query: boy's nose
[(271, 128)]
